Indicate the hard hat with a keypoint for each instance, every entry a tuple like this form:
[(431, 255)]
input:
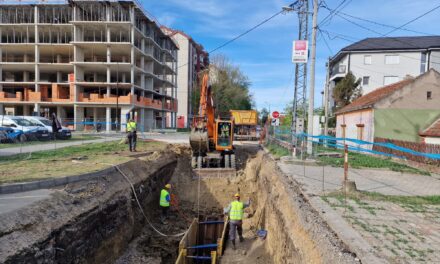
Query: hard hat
[(168, 186), (237, 195)]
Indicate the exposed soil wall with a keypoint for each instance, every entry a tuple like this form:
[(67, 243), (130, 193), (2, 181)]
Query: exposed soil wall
[(296, 233), (86, 222)]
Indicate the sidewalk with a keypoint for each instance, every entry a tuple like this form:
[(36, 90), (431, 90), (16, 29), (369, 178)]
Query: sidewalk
[(50, 146), (372, 180)]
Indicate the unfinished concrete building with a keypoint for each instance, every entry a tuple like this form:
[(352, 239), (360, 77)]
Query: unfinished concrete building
[(87, 61)]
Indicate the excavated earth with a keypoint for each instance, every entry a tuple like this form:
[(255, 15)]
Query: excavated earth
[(99, 221)]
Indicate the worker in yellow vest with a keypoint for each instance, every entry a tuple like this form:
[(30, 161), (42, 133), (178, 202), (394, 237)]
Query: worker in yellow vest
[(132, 136), (164, 202), (236, 210)]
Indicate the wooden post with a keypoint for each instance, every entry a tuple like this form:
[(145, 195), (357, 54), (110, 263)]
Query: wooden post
[(213, 257), (345, 163)]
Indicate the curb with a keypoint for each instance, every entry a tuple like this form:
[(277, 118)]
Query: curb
[(50, 183)]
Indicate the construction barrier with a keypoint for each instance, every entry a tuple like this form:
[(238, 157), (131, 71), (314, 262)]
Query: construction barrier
[(353, 144)]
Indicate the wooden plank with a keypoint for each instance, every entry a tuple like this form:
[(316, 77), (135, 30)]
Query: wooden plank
[(190, 237), (181, 259), (213, 257), (221, 240)]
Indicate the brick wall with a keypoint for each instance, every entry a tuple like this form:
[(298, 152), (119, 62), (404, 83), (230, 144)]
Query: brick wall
[(419, 147)]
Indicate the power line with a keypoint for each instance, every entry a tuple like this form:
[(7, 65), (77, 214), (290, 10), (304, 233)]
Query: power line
[(240, 35), (383, 35), (247, 31), (325, 41), (412, 20), (330, 15), (345, 37), (382, 24)]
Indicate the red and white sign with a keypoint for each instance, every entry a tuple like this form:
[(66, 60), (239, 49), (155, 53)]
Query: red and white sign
[(275, 114), (300, 51)]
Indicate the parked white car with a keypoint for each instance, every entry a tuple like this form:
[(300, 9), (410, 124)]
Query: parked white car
[(63, 133), (32, 131)]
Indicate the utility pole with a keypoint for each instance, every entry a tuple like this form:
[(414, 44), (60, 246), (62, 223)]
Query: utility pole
[(312, 78), (300, 87), (326, 95)]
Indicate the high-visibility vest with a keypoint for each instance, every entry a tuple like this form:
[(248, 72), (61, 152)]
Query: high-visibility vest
[(163, 198), (131, 126), (236, 212)]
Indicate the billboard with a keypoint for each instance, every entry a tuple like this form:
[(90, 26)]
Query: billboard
[(300, 52)]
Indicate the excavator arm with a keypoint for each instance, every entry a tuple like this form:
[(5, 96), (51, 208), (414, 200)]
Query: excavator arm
[(210, 139)]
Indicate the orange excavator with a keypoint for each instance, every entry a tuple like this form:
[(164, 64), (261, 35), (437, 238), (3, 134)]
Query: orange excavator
[(211, 139)]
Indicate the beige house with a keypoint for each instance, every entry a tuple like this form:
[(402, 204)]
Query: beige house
[(398, 111)]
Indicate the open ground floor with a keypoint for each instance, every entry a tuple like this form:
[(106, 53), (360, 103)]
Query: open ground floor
[(83, 117)]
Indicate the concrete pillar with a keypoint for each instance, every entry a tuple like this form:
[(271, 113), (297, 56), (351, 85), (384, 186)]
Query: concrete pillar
[(26, 110), (109, 55), (58, 58), (95, 115), (60, 113), (37, 108), (78, 113), (1, 78), (59, 77), (108, 119), (2, 109), (95, 76), (25, 76), (149, 119), (142, 119), (108, 34)]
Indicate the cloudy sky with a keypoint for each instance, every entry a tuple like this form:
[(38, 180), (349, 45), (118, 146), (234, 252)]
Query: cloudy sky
[(264, 55)]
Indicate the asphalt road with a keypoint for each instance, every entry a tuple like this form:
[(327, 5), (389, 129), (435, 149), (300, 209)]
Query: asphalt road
[(15, 201)]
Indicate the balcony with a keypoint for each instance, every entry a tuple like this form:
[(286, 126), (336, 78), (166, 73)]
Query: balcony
[(104, 99), (11, 97), (337, 72)]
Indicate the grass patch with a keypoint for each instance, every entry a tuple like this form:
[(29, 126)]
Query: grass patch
[(67, 161), (414, 203), (358, 161), (277, 151), (36, 142)]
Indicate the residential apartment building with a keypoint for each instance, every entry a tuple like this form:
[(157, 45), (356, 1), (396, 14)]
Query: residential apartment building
[(383, 61), (192, 58), (87, 61)]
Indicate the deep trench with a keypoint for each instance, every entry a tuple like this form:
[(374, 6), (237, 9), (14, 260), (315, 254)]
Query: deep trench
[(99, 221)]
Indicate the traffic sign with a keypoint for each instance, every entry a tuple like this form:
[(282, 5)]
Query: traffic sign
[(300, 51), (275, 114), (275, 122)]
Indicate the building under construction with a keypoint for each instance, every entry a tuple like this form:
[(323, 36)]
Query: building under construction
[(88, 61)]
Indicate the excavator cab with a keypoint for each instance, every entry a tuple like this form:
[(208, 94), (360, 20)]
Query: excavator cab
[(224, 135)]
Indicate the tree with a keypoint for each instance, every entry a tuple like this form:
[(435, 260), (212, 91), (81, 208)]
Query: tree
[(288, 110), (230, 87), (263, 114), (347, 90)]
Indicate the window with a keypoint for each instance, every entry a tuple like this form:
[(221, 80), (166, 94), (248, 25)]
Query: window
[(428, 95), (367, 59), (360, 131), (366, 80), (392, 59), (390, 79)]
